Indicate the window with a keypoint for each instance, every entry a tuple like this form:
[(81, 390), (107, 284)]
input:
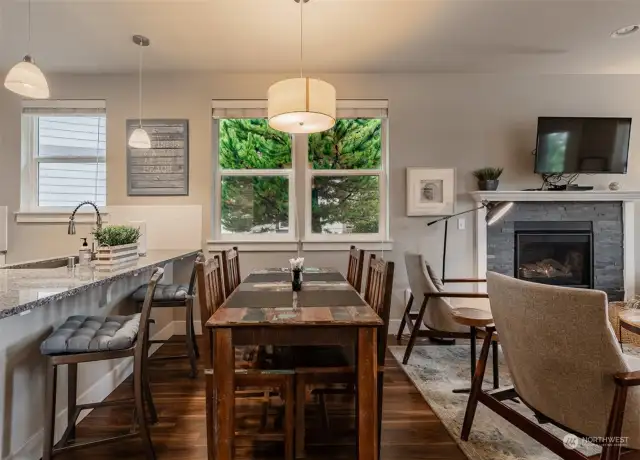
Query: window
[(339, 187), (64, 153)]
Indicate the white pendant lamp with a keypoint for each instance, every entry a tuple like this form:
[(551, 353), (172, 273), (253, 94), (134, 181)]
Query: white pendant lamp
[(25, 78), (139, 138), (302, 105)]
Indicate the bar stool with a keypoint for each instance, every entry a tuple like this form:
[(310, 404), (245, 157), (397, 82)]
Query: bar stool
[(84, 339), (173, 296)]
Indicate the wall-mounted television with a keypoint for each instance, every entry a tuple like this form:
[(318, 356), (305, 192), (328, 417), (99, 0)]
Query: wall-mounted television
[(582, 145)]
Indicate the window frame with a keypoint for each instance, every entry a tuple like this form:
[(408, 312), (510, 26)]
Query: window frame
[(300, 179), (381, 173), (30, 158), (220, 173)]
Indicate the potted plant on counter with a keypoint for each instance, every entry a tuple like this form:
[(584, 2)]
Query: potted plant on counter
[(488, 178), (117, 246)]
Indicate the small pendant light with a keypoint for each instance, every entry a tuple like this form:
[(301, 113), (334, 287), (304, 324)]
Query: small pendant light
[(139, 138), (25, 78), (302, 105)]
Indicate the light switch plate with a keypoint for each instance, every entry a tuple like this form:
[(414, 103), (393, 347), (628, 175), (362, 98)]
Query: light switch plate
[(461, 223)]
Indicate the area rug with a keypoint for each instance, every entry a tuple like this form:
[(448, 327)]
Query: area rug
[(437, 370)]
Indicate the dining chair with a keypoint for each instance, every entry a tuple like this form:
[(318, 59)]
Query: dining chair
[(86, 339), (355, 268), (253, 373), (334, 365), (231, 270), (436, 307), (175, 296)]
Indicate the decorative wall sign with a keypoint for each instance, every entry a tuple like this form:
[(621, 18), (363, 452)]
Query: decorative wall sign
[(430, 192), (164, 168)]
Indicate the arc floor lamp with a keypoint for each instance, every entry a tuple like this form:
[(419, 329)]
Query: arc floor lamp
[(496, 210)]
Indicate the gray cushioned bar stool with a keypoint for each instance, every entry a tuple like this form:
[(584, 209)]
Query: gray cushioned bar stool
[(175, 296), (84, 339)]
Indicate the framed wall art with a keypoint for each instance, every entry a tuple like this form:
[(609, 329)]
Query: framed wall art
[(164, 168), (430, 192)]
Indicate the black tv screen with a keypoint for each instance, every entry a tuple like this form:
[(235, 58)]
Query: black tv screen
[(582, 145)]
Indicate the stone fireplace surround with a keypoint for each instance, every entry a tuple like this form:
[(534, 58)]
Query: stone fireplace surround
[(612, 214)]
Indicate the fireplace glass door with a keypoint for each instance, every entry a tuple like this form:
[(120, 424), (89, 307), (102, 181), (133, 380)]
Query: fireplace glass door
[(562, 257)]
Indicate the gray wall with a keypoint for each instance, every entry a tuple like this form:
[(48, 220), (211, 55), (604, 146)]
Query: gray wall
[(461, 121)]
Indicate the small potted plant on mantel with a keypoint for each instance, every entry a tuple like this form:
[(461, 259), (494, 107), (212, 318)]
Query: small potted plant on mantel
[(117, 246), (488, 178)]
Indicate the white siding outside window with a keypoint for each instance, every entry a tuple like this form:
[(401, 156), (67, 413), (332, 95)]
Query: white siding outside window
[(65, 152)]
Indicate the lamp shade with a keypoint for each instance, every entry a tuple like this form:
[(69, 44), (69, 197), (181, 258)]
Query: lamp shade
[(302, 105), (139, 139), (27, 80), (497, 210)]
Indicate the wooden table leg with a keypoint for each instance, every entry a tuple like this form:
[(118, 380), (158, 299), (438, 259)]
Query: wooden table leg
[(367, 394), (223, 376)]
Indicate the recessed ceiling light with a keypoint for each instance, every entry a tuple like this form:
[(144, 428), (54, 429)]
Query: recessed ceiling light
[(625, 31)]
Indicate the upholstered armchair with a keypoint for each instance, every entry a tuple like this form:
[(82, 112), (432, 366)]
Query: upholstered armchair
[(436, 304), (565, 364)]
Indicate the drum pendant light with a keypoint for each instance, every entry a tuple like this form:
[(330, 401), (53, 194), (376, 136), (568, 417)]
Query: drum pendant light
[(25, 78), (301, 105), (139, 138)]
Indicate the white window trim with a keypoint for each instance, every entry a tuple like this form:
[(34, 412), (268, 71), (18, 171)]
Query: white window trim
[(310, 242), (29, 211)]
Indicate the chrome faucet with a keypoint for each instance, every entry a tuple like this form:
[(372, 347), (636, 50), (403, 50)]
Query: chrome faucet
[(71, 230)]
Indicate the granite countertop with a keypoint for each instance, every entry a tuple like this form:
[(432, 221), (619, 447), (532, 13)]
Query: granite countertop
[(23, 289)]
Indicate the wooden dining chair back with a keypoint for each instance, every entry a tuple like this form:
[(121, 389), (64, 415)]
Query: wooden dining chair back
[(378, 296), (210, 286), (231, 270), (355, 267)]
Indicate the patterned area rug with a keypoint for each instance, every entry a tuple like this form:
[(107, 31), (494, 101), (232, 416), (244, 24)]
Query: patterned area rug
[(437, 370)]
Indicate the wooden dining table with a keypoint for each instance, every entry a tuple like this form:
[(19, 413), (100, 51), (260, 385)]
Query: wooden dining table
[(264, 310)]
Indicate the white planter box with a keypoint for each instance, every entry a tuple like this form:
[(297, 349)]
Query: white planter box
[(116, 257)]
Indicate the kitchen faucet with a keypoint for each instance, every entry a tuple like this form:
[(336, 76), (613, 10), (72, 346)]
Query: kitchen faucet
[(71, 230)]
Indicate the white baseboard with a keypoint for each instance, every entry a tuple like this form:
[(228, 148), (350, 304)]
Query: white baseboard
[(32, 449)]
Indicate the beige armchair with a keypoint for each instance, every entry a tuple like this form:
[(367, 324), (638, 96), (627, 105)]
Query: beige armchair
[(436, 304), (565, 363)]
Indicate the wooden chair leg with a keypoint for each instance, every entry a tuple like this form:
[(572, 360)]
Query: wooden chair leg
[(324, 414), (403, 321), (380, 392), (301, 400), (476, 386), (210, 410), (191, 351), (138, 394), (195, 339), (414, 333), (72, 399), (614, 426), (289, 419), (49, 410)]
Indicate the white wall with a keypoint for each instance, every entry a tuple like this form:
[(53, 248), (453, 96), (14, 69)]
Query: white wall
[(461, 121)]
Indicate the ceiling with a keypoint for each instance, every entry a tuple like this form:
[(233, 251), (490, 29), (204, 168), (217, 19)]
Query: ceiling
[(351, 36)]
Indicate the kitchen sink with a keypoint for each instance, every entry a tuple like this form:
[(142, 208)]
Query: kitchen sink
[(41, 264)]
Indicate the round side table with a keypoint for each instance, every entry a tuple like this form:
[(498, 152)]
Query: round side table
[(629, 320), (476, 318)]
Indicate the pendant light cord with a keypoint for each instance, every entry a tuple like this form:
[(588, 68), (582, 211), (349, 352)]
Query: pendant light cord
[(140, 85), (29, 28), (301, 36)]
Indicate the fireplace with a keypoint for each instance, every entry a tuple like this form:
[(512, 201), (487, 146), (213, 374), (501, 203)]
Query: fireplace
[(558, 253)]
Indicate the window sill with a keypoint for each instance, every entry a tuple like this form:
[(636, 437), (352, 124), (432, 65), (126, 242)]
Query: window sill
[(292, 245), (43, 216)]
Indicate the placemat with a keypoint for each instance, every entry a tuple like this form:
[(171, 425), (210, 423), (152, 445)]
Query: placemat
[(334, 276), (260, 299), (267, 277), (329, 298)]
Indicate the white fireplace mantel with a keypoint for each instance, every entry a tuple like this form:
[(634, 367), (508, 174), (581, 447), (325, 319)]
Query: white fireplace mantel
[(589, 195), (628, 199)]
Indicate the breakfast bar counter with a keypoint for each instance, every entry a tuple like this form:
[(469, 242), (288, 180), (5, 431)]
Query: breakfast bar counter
[(35, 298), (28, 285)]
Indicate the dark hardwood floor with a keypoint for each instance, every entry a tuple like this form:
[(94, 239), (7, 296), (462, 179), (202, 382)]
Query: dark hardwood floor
[(410, 429)]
